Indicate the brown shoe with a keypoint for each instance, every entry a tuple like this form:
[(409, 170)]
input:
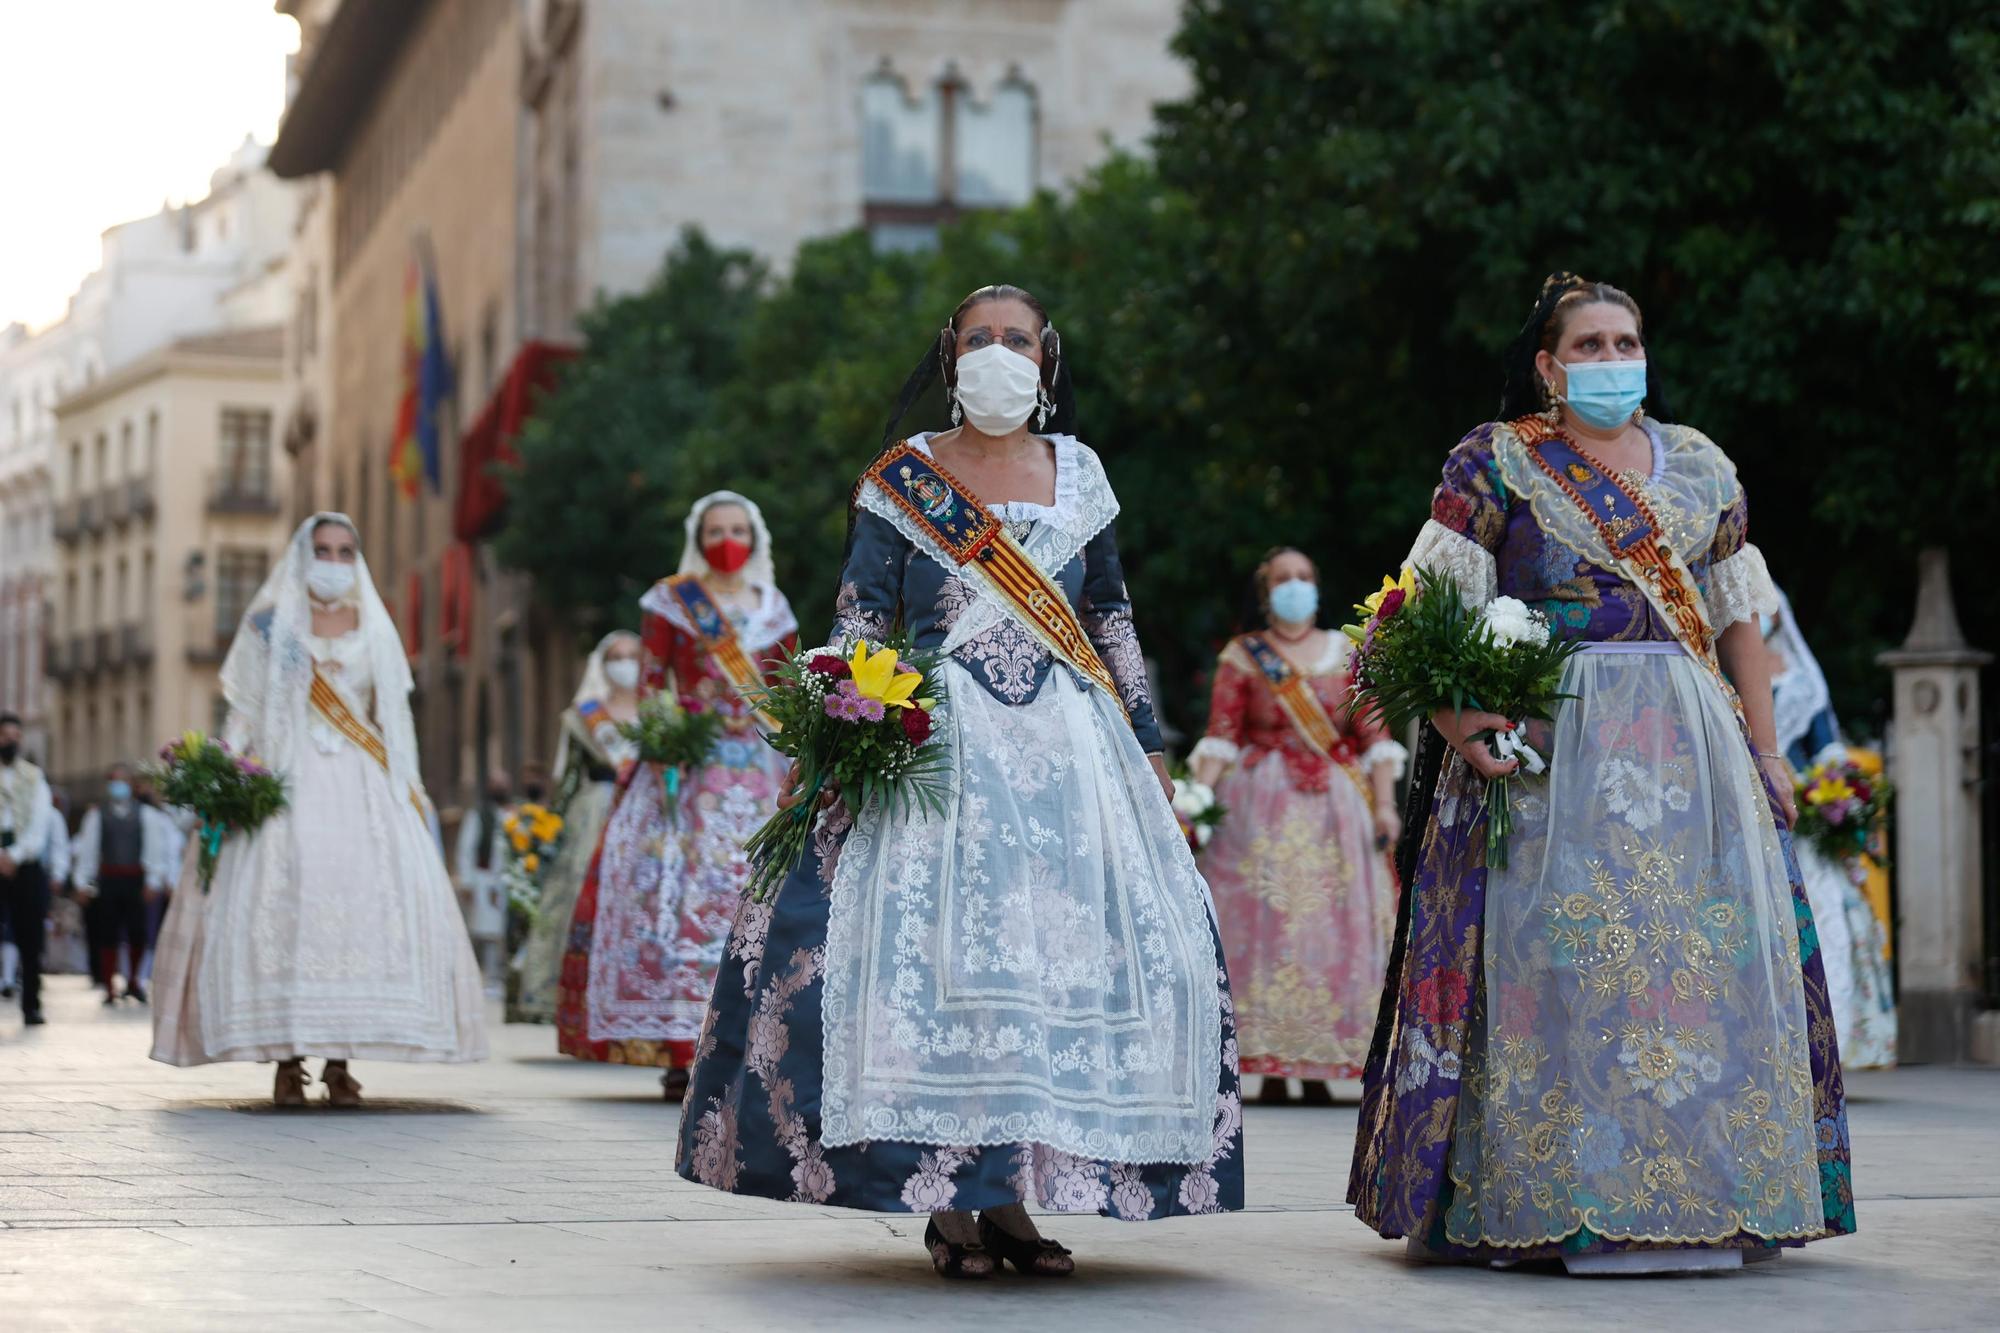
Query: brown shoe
[(289, 1088), (341, 1087)]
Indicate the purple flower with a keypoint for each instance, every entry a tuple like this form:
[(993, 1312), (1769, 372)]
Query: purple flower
[(842, 707), (869, 709)]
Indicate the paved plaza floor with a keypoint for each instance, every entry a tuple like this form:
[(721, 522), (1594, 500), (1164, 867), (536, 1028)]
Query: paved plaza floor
[(532, 1192)]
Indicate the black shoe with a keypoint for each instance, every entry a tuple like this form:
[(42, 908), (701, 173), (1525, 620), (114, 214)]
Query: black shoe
[(138, 993), (674, 1084), (7, 992), (1041, 1257), (957, 1261), (34, 1019)]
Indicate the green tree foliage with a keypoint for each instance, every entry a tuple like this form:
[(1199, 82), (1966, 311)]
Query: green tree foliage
[(587, 506), (1281, 323)]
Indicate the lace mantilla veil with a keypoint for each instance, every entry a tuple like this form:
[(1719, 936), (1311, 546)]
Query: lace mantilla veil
[(268, 673)]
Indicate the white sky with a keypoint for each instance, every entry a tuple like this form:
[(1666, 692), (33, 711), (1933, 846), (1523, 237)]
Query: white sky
[(109, 107)]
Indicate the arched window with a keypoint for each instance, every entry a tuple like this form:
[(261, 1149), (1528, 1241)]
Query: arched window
[(927, 159)]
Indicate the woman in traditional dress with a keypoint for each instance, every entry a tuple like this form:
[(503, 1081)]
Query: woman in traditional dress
[(1021, 999), (1853, 929), (333, 930), (590, 755), (647, 935), (1304, 891), (1616, 1049)]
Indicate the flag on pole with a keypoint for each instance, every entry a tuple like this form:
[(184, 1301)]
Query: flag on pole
[(427, 382)]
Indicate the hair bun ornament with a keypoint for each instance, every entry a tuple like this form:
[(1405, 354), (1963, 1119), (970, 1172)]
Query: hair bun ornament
[(1560, 283)]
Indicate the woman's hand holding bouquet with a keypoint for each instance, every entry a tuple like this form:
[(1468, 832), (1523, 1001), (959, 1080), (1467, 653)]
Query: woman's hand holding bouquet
[(857, 729), (1477, 675)]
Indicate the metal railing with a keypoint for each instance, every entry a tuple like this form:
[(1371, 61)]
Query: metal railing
[(88, 518), (56, 658), (139, 495), (65, 524), (117, 504), (137, 638), (242, 495), (82, 654), (110, 650)]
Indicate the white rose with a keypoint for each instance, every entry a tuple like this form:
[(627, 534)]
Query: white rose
[(1510, 622), (1192, 798)]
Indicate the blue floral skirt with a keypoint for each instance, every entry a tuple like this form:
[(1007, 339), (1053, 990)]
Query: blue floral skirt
[(750, 1122)]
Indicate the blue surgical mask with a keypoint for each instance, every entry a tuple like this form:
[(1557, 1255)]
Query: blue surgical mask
[(1606, 393), (118, 790), (1295, 601)]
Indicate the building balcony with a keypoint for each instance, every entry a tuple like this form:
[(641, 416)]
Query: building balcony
[(251, 496), (57, 659), (66, 524), (139, 496), (137, 638), (82, 655), (89, 515), (110, 650), (116, 504)]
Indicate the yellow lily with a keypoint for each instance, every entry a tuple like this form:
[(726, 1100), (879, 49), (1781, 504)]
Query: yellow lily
[(876, 677), (1407, 581), (1828, 791)]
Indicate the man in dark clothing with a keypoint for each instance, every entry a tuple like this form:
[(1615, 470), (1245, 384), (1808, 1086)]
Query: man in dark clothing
[(121, 855), (25, 815)]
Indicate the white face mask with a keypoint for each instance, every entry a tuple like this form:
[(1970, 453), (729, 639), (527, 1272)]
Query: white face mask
[(330, 580), (622, 672), (998, 389)]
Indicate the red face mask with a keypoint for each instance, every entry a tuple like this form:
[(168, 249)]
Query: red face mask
[(726, 556)]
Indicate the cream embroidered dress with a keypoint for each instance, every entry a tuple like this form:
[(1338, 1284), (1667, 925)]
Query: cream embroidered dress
[(334, 930)]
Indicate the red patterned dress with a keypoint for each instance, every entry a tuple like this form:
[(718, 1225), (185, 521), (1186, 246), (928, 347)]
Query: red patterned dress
[(1304, 898), (657, 905)]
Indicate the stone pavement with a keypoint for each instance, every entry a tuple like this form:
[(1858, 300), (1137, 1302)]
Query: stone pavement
[(532, 1192)]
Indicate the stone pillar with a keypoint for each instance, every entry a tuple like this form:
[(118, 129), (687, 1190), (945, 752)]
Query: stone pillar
[(1934, 761)]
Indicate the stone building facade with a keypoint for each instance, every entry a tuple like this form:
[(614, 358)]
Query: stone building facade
[(545, 153), (214, 263), (168, 515)]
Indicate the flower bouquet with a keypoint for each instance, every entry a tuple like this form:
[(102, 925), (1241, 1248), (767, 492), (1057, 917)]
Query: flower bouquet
[(1841, 808), (858, 726), (675, 734), (533, 834), (230, 793), (1420, 651), (1196, 810)]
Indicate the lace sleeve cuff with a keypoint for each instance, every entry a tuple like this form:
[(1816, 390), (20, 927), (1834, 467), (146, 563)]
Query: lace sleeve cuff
[(1215, 747), (1740, 587), (1443, 551), (1385, 752)]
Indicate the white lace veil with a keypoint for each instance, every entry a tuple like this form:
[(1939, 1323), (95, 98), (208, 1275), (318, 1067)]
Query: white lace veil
[(760, 572), (1800, 694), (267, 675), (595, 685)]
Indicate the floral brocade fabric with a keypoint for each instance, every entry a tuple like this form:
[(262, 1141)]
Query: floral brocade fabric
[(1303, 897), (1622, 1040)]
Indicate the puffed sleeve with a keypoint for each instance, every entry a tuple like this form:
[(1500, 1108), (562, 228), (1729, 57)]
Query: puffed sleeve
[(1468, 520), (1107, 619), (871, 583), (1739, 582), (1228, 714), (657, 633)]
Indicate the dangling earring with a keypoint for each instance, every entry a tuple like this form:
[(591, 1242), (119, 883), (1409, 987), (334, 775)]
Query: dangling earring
[(957, 413), (1045, 407), (1554, 411)]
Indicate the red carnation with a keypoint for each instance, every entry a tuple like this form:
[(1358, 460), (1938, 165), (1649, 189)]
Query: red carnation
[(916, 725), (1391, 603), (826, 664)]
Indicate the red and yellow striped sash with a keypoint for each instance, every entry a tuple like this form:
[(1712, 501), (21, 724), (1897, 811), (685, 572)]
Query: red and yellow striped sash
[(952, 515)]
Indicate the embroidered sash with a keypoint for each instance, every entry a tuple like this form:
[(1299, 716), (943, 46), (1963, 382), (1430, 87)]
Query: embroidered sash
[(715, 635), (978, 543), (1632, 537), (1295, 696), (331, 705)]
